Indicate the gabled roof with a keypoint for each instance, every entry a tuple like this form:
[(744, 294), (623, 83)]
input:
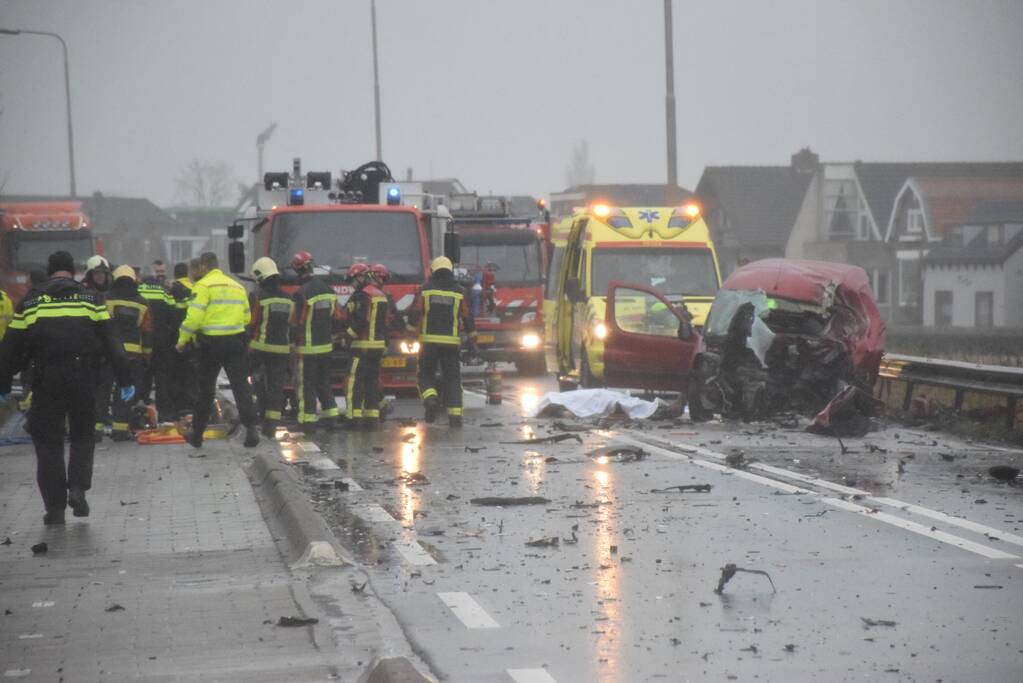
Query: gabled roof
[(977, 252), (882, 182), (947, 202), (760, 203)]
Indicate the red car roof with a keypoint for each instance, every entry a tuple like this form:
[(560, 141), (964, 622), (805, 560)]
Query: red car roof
[(796, 279)]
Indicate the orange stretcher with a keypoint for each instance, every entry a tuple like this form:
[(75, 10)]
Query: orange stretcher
[(173, 434)]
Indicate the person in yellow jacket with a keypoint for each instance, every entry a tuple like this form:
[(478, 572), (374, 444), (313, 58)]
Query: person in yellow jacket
[(217, 316), (6, 312)]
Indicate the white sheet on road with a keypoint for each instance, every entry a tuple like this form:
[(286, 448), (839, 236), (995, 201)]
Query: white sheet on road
[(598, 403)]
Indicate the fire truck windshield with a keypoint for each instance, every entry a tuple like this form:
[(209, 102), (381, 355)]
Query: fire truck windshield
[(340, 238), (668, 270), (30, 250), (517, 264)]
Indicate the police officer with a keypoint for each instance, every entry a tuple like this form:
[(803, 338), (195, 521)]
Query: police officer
[(133, 327), (6, 313), (158, 372), (368, 325), (62, 330), (216, 320), (184, 368), (312, 335), (271, 316), (440, 314)]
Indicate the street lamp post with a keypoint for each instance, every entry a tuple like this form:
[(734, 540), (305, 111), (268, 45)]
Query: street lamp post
[(376, 78), (669, 97), (67, 94)]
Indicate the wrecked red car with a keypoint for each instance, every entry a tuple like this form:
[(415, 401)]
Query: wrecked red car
[(787, 334)]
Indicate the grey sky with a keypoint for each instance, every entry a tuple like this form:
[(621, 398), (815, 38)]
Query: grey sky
[(496, 92)]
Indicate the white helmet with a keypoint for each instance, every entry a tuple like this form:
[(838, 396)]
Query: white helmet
[(95, 262), (263, 268)]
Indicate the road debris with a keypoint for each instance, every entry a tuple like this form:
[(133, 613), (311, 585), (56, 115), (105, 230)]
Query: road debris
[(491, 424), (1004, 473), (359, 587), (618, 454), (470, 449), (560, 426), (682, 488), (548, 542), (129, 502), (414, 478), (553, 438), (738, 460), (292, 622), (508, 501), (790, 647), (867, 623), (990, 586), (6, 541), (730, 570), (114, 608), (40, 548)]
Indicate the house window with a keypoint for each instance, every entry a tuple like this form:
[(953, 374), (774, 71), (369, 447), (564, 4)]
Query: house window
[(984, 309), (909, 282), (841, 208), (879, 284), (915, 221), (863, 232), (943, 308)]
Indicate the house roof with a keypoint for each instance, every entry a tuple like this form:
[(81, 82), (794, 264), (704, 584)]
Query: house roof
[(953, 201), (977, 252), (760, 203), (882, 182)]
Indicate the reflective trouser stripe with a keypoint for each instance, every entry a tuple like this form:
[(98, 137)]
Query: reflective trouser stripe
[(428, 393), (314, 350), (120, 426), (354, 412), (99, 426), (371, 413), (273, 415), (330, 412), (303, 416), (454, 411), (438, 339)]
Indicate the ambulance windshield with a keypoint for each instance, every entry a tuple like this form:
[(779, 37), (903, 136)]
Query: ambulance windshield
[(683, 271)]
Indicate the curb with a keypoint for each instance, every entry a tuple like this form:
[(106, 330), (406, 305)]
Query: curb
[(308, 540)]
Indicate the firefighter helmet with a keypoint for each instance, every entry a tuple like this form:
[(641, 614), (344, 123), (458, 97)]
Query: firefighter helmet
[(302, 260), (357, 270), (441, 263), (263, 268), (124, 271), (95, 262), (379, 272)]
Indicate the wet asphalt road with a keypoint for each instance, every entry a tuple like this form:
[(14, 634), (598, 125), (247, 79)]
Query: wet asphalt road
[(865, 586)]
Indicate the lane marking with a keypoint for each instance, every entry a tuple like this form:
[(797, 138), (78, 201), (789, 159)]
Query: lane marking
[(944, 537), (376, 513), (323, 463), (414, 553), (352, 484), (531, 676), (44, 603), (309, 446), (950, 519), (468, 611)]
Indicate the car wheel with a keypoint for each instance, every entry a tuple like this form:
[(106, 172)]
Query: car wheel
[(697, 413)]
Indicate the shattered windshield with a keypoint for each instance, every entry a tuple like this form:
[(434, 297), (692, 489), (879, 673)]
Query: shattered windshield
[(30, 251), (688, 272), (340, 238)]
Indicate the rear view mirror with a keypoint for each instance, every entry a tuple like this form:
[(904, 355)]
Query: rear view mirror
[(452, 247), (235, 231), (685, 329), (236, 257)]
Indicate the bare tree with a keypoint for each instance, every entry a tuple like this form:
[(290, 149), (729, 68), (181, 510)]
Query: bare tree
[(580, 169), (206, 183)]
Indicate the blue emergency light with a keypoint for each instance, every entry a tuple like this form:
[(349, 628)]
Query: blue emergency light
[(296, 197), (393, 196)]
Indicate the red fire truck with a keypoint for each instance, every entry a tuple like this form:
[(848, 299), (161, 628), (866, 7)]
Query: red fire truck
[(503, 260), (361, 220), (31, 231)]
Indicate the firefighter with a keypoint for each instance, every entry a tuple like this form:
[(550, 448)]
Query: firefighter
[(97, 279), (184, 367), (368, 325), (158, 378), (215, 322), (97, 274), (133, 328), (271, 316), (381, 274), (62, 330), (312, 336), (440, 315)]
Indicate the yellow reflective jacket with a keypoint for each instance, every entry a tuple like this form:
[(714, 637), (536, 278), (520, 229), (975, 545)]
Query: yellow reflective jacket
[(219, 307), (6, 312)]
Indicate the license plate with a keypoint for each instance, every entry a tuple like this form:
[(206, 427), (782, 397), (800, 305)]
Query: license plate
[(485, 339), (393, 362)]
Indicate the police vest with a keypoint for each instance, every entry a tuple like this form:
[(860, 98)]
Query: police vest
[(439, 324), (274, 316), (128, 317), (373, 332)]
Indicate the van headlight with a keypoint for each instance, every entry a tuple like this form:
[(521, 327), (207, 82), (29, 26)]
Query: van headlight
[(530, 341), (600, 330), (409, 347)]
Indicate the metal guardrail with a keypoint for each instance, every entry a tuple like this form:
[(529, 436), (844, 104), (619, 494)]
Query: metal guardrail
[(961, 377)]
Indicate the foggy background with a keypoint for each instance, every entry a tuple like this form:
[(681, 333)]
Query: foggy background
[(498, 92)]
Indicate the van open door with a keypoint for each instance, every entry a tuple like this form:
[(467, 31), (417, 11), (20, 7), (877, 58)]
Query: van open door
[(650, 344)]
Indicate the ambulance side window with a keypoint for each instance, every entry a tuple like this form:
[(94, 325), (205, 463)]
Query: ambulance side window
[(554, 273)]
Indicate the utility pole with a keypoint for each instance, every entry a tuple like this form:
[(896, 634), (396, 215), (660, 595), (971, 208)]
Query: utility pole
[(669, 97), (376, 79), (67, 95)]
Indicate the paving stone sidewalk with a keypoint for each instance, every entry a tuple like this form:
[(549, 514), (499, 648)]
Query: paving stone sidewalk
[(173, 577)]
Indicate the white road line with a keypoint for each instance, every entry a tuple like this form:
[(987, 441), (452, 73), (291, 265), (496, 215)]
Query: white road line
[(531, 676), (309, 447), (352, 484), (914, 527), (376, 513), (323, 463), (414, 553), (949, 519), (468, 611), (44, 603)]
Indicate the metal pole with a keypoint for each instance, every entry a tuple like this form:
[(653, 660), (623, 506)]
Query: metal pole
[(67, 94), (669, 98), (376, 79)]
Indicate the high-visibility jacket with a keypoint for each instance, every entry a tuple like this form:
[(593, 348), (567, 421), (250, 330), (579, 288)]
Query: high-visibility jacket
[(6, 312), (219, 307), (313, 317), (132, 320), (440, 313), (369, 318), (271, 317), (163, 311), (56, 320)]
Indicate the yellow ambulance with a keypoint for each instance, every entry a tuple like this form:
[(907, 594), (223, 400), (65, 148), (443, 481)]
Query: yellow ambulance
[(617, 279)]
